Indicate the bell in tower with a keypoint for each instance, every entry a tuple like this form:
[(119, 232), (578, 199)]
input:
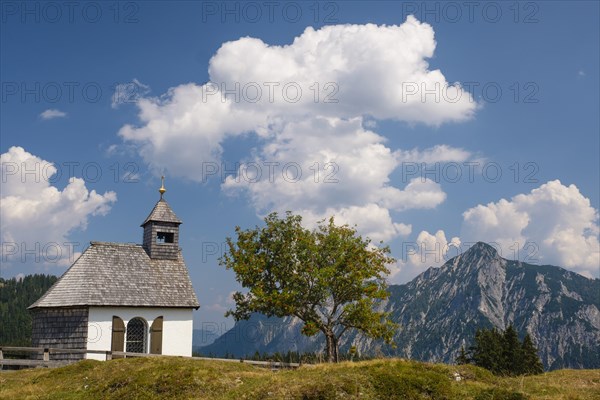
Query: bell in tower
[(161, 230)]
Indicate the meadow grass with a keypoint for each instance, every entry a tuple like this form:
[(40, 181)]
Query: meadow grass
[(179, 378)]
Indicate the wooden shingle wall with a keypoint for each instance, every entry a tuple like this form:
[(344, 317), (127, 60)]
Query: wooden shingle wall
[(161, 251), (64, 327)]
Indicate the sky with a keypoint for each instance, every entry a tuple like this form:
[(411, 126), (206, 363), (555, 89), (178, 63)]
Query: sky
[(426, 125)]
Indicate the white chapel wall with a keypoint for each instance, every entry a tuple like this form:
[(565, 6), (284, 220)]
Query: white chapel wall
[(177, 328)]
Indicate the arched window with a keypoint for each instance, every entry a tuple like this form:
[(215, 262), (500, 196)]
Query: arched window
[(136, 336)]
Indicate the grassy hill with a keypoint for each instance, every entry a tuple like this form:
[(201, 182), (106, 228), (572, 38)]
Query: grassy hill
[(165, 377)]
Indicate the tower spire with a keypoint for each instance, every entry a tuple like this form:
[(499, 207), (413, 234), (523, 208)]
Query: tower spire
[(162, 189), (161, 230)]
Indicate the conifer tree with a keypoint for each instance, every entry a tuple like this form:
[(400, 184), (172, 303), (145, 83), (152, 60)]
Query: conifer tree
[(531, 360), (463, 358), (502, 353), (15, 296), (487, 351), (512, 359)]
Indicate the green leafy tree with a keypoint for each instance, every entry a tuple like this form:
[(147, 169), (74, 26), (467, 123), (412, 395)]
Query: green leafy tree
[(330, 278)]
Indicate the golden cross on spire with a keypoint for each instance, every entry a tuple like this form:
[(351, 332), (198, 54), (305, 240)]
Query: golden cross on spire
[(162, 189)]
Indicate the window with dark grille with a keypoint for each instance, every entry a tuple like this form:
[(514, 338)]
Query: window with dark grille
[(136, 336), (164, 237)]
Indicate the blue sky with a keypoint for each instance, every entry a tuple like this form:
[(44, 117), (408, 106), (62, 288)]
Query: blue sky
[(528, 82)]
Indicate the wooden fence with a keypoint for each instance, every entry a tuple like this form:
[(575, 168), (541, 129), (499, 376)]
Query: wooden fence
[(45, 360)]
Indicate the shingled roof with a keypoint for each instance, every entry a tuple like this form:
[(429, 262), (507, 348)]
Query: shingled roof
[(162, 212), (120, 274)]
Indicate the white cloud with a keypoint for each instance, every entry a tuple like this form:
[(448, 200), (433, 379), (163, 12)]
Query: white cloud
[(321, 167), (52, 113), (428, 250), (555, 223), (129, 92), (182, 132), (379, 71), (343, 79), (37, 216), (221, 304), (437, 154), (417, 194), (371, 220)]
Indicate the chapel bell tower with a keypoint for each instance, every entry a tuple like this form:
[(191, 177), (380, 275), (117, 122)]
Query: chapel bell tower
[(161, 230)]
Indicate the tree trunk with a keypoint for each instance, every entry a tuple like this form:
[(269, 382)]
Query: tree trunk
[(331, 347), (335, 349)]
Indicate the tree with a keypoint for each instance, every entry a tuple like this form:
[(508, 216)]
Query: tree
[(330, 278), (512, 355), (463, 357), (487, 351), (531, 360), (15, 296), (503, 353)]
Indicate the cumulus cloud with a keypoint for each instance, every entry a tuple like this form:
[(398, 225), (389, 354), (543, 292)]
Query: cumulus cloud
[(36, 216), (374, 70), (129, 92), (189, 125), (52, 113), (338, 169), (553, 224), (428, 250), (312, 104), (221, 304), (371, 220)]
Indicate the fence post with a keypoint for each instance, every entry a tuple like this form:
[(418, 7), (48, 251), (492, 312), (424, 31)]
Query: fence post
[(108, 355), (46, 354)]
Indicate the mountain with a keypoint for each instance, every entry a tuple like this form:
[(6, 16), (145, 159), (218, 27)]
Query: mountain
[(440, 310), (203, 337)]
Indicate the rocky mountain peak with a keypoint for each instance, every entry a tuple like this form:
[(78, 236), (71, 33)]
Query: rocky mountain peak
[(480, 257), (481, 250)]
